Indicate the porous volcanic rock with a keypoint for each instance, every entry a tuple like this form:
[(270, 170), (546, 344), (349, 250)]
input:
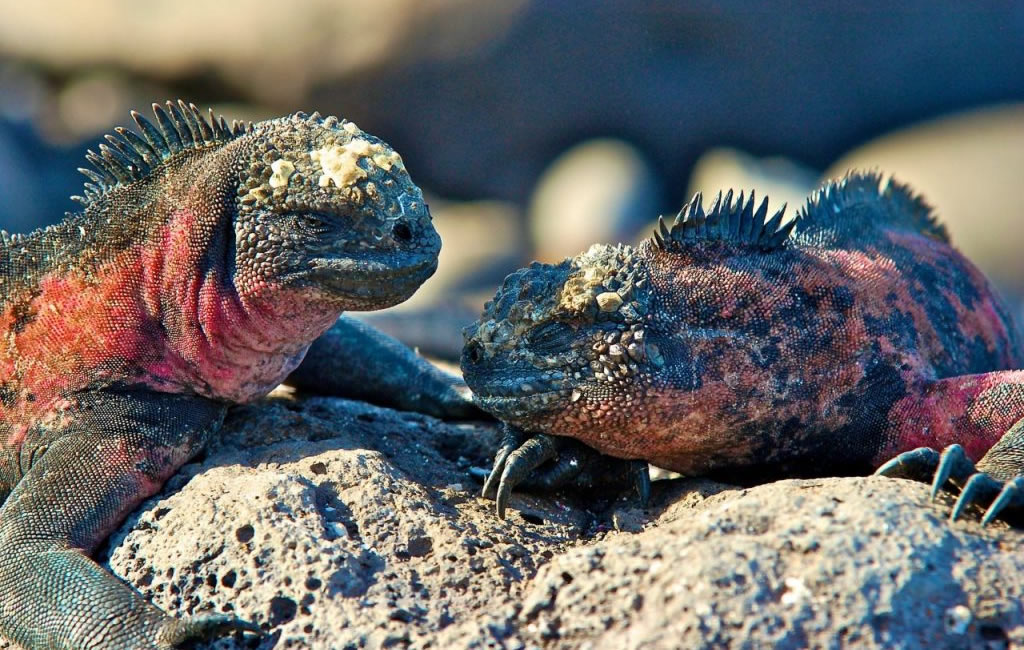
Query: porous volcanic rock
[(334, 524)]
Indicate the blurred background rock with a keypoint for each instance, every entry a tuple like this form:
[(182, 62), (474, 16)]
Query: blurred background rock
[(538, 128)]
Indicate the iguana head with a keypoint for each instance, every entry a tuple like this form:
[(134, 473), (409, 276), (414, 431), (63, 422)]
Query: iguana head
[(306, 206), (321, 204), (220, 252), (561, 344), (596, 346)]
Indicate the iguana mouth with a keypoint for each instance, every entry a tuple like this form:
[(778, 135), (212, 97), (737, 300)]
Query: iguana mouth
[(519, 396), (522, 405), (372, 280)]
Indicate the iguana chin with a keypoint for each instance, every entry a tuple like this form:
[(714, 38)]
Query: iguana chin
[(207, 260), (732, 346)]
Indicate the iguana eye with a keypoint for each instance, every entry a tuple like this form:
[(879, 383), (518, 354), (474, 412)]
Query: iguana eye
[(551, 337), (314, 222)]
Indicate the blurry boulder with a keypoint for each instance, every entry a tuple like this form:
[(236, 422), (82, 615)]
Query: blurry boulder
[(677, 78), (273, 51), (969, 167), (481, 96), (599, 191)]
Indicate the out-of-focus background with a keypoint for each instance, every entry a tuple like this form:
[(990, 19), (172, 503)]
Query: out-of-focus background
[(538, 128)]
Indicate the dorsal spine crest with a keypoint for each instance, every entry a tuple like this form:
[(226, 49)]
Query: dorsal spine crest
[(127, 156), (889, 203), (726, 221)]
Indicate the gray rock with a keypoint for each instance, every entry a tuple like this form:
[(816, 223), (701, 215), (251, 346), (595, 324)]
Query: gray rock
[(335, 524), (839, 562)]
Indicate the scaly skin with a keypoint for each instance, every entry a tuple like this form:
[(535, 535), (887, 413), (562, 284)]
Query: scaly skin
[(748, 350), (207, 260)]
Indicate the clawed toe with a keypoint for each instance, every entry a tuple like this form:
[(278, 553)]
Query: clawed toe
[(494, 478), (979, 488), (953, 466), (640, 472), (520, 463), (918, 464), (526, 459), (518, 455), (1010, 497)]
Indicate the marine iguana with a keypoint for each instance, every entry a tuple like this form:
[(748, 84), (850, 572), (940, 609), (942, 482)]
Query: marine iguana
[(207, 260), (744, 348)]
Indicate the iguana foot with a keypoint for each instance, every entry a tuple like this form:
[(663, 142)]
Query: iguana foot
[(199, 628), (953, 466), (543, 462)]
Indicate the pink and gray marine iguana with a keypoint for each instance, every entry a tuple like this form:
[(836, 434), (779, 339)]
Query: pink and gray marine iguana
[(851, 338), (210, 262)]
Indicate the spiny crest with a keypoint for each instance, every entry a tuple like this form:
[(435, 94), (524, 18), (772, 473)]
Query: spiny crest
[(887, 201), (131, 156), (726, 221)]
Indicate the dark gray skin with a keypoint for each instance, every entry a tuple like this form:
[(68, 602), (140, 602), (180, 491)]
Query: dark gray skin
[(382, 370), (206, 262)]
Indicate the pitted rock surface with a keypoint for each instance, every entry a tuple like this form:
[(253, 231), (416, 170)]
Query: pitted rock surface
[(839, 562), (334, 524)]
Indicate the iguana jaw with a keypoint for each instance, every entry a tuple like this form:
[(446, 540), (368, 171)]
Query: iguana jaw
[(361, 262), (370, 282), (521, 397)]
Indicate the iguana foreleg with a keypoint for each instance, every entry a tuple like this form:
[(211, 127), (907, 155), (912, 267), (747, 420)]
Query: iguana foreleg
[(117, 450), (980, 412), (545, 462)]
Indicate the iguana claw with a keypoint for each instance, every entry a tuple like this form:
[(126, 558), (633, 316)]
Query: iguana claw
[(515, 466), (917, 464), (953, 466), (1011, 496), (522, 456), (640, 471)]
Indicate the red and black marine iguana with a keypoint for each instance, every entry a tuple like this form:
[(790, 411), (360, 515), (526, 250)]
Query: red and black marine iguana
[(732, 346), (207, 260)]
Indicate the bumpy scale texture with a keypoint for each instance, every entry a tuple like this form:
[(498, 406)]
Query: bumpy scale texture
[(736, 346), (206, 261)]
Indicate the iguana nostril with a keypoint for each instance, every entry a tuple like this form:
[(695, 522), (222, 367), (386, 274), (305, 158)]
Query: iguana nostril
[(474, 352), (402, 232)]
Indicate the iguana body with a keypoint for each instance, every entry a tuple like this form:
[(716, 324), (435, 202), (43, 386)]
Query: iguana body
[(734, 347), (206, 261)]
